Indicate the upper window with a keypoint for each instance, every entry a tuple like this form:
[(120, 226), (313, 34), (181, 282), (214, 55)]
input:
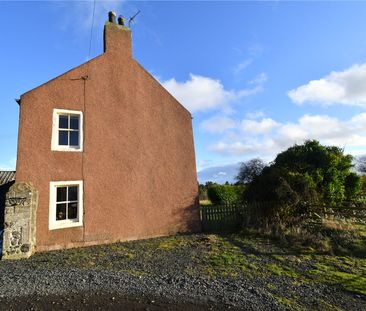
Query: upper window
[(67, 134), (66, 204)]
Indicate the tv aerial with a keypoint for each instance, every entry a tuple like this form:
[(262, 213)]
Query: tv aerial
[(132, 18)]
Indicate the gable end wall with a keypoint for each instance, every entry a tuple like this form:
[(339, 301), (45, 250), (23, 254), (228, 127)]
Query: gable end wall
[(138, 163)]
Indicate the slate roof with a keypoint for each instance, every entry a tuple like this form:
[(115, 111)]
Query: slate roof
[(6, 176)]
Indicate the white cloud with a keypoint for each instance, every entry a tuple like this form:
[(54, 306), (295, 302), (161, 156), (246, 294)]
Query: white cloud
[(217, 124), (201, 93), (323, 126), (292, 132), (254, 115), (267, 137), (339, 87), (235, 148), (258, 127)]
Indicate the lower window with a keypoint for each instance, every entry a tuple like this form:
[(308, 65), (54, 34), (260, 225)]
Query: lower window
[(66, 204)]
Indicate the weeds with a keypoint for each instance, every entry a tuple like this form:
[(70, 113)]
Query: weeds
[(335, 253), (333, 237)]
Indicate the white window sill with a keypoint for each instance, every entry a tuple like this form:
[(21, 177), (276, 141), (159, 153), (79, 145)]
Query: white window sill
[(67, 149), (65, 224)]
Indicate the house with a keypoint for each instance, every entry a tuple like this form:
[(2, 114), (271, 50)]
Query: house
[(109, 152)]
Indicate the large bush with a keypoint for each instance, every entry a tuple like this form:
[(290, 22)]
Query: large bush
[(353, 186), (308, 173), (223, 194)]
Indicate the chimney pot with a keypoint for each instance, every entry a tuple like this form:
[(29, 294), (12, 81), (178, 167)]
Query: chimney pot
[(112, 17), (121, 20)]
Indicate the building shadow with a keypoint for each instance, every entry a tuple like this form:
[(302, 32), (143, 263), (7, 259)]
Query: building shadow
[(3, 190)]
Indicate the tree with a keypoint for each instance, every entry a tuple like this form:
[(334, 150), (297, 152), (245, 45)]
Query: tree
[(326, 166), (306, 173), (250, 170)]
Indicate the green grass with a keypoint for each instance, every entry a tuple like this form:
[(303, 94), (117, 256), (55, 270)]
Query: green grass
[(352, 278), (242, 254), (172, 243), (224, 258), (205, 202), (282, 270)]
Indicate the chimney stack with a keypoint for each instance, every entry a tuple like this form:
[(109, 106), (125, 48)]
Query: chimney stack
[(117, 37)]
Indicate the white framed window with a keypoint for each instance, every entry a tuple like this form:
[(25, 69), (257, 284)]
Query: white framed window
[(67, 130), (66, 204)]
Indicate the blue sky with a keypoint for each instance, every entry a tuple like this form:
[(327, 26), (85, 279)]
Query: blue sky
[(257, 76)]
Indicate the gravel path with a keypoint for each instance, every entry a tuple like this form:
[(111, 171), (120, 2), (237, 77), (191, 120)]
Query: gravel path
[(43, 282), (165, 271)]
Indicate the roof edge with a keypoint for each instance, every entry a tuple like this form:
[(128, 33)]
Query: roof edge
[(158, 82), (64, 73)]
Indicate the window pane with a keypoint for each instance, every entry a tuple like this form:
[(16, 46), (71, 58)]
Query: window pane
[(61, 194), (61, 211), (74, 138), (63, 122), (63, 139), (72, 210), (73, 193), (74, 122)]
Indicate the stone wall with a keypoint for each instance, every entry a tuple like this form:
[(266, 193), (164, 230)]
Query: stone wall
[(19, 238)]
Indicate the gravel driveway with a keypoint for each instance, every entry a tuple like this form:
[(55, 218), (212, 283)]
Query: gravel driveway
[(196, 272)]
